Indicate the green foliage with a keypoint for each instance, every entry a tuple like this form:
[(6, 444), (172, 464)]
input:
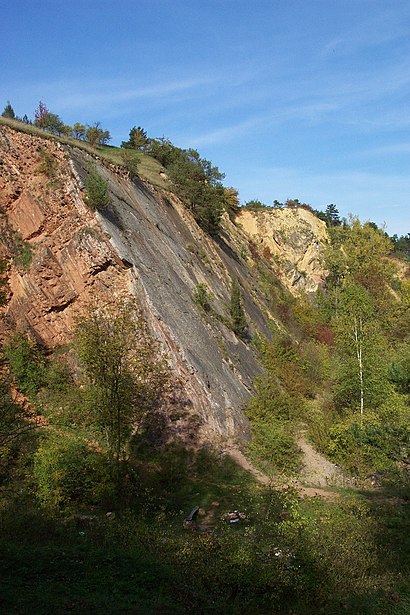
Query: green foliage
[(236, 311), (49, 121), (163, 151), (195, 180), (8, 111), (399, 367), (69, 473), (137, 140), (273, 445), (131, 160), (330, 216), (78, 130), (202, 297), (26, 362), (48, 164), (125, 370), (24, 255), (95, 135), (231, 202), (401, 246), (14, 430), (97, 193), (376, 444), (279, 405), (255, 205)]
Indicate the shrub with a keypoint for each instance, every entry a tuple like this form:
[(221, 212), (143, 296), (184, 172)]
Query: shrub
[(67, 471), (26, 362), (236, 312), (48, 164), (273, 446), (202, 297), (22, 250), (130, 160), (97, 194), (137, 139)]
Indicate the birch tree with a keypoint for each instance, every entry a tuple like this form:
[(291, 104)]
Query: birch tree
[(361, 373)]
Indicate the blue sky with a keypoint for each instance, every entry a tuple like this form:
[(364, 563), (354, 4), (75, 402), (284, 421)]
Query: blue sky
[(305, 99)]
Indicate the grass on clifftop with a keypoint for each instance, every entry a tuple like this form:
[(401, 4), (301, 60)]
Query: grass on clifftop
[(148, 168)]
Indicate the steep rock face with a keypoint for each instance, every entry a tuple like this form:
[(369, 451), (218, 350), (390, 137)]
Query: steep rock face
[(295, 238), (72, 262), (145, 246)]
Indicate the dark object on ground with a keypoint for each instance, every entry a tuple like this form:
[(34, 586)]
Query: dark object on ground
[(189, 519)]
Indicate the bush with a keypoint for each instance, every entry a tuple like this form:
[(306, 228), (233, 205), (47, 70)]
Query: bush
[(48, 164), (27, 364), (202, 297), (97, 195), (273, 447), (130, 160), (379, 444), (68, 472), (236, 311)]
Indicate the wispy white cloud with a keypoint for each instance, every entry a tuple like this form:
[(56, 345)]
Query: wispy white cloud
[(117, 93), (373, 30)]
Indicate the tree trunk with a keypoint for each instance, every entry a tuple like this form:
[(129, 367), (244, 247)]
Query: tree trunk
[(358, 336)]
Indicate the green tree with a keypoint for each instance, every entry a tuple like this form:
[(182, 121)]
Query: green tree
[(358, 254), (332, 215), (78, 131), (96, 187), (3, 281), (53, 123), (8, 111), (236, 311), (95, 135), (198, 183), (163, 151), (137, 140), (202, 297), (68, 472), (361, 378), (231, 202), (255, 205), (125, 370)]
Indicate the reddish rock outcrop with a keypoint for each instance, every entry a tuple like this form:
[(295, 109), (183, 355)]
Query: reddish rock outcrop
[(72, 261)]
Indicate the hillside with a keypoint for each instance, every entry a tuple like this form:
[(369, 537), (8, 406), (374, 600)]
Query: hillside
[(203, 408), (147, 246)]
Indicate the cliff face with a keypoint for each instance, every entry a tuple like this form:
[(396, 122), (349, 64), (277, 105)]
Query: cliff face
[(295, 239), (144, 246)]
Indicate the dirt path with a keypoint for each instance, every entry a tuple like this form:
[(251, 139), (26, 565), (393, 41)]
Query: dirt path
[(317, 471)]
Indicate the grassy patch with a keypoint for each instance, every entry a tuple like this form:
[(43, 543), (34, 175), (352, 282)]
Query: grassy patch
[(148, 168)]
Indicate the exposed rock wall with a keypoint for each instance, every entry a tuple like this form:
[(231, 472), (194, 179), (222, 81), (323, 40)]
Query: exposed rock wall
[(146, 246), (295, 238), (72, 261)]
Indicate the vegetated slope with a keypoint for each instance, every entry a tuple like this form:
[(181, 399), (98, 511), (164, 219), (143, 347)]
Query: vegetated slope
[(145, 245), (288, 555)]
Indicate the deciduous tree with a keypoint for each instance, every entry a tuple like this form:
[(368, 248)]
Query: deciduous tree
[(125, 370)]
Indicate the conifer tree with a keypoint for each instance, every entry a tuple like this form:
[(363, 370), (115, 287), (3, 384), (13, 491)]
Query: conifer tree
[(8, 111), (236, 311)]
